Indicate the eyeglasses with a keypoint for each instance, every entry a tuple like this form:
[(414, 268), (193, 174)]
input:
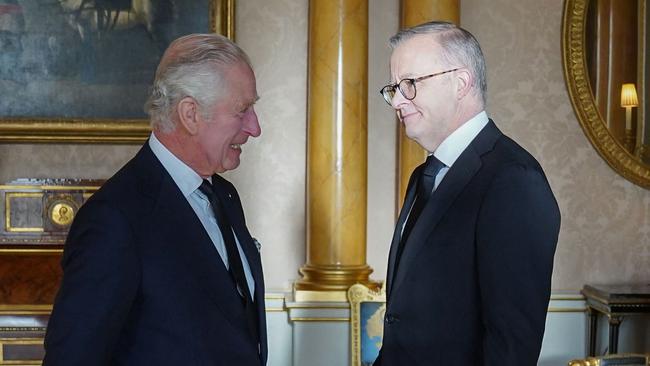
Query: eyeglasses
[(407, 87)]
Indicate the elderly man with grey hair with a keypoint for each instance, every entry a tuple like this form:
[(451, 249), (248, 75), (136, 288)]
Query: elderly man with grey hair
[(469, 269), (159, 267)]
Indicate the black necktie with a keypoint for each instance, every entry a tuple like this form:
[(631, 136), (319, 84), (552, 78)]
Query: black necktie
[(235, 267), (424, 189)]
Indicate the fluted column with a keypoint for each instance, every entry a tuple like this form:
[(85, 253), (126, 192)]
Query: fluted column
[(337, 150), (414, 12)]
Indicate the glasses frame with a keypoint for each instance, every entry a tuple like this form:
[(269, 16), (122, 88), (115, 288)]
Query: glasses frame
[(390, 88)]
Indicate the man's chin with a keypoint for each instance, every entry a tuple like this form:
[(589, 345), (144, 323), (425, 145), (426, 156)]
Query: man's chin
[(231, 165)]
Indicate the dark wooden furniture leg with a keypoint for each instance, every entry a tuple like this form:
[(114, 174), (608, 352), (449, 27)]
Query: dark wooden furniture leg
[(614, 322), (593, 326)]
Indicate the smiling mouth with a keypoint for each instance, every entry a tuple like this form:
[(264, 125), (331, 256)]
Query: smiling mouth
[(236, 146)]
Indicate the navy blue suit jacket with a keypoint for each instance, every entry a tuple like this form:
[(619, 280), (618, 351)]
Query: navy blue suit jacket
[(144, 285), (473, 283)]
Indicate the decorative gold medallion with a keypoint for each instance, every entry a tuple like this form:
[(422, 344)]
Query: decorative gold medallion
[(59, 209), (62, 213)]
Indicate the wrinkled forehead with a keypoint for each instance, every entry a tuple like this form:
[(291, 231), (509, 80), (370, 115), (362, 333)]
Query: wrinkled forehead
[(414, 56), (241, 83)]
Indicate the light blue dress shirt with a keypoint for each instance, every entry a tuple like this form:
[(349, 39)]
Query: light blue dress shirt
[(189, 182)]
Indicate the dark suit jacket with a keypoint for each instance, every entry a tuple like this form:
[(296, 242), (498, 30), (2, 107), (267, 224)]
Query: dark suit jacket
[(144, 285), (473, 284)]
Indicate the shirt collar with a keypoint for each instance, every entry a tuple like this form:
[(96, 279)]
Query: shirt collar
[(454, 145), (185, 178)]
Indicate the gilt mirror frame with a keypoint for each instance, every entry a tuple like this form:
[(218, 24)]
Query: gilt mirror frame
[(577, 81), (112, 131)]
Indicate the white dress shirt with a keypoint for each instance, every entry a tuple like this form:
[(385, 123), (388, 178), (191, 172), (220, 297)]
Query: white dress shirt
[(454, 145), (189, 182)]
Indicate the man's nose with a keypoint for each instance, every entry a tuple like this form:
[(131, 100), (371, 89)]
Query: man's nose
[(252, 124), (398, 100)]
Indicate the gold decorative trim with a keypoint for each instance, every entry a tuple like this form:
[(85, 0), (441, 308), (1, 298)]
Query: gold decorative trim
[(222, 18), (598, 361), (317, 305), (29, 250), (19, 342), (566, 297), (8, 197), (275, 310), (566, 310), (593, 124), (106, 131), (319, 319), (73, 131), (49, 188), (25, 309)]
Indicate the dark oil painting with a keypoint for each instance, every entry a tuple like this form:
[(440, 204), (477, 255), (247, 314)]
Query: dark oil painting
[(87, 58)]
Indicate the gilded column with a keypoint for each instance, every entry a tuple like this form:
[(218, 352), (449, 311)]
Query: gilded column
[(414, 12), (337, 150)]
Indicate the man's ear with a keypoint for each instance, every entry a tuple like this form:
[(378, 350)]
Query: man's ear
[(188, 115), (465, 80)]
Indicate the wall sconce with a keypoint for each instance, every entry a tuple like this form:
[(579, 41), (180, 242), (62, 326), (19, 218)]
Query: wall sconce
[(628, 100)]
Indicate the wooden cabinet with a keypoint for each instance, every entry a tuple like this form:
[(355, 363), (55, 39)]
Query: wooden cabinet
[(35, 216)]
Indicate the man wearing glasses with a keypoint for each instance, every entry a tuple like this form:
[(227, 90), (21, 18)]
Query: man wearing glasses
[(469, 270)]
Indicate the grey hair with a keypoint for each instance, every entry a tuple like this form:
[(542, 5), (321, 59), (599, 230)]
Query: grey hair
[(192, 66), (459, 48)]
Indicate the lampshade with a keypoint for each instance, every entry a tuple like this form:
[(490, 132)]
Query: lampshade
[(628, 96)]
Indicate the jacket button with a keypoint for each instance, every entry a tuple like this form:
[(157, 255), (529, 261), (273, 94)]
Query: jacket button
[(390, 319)]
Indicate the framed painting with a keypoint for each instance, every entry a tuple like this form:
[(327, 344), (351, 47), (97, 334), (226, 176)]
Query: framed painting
[(79, 71), (367, 310)]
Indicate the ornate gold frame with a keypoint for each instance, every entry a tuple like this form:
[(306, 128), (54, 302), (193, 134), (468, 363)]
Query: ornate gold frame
[(357, 294), (29, 130), (593, 124), (597, 361)]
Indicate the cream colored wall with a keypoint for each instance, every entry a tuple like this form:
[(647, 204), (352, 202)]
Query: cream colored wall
[(605, 235)]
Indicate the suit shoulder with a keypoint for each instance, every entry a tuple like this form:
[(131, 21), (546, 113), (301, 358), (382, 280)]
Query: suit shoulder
[(127, 188), (507, 152), (120, 184)]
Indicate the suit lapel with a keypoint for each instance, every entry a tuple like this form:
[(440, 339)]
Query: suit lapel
[(182, 234), (458, 176), (397, 234)]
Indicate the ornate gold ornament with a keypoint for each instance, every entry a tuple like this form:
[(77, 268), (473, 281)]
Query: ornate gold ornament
[(62, 213), (593, 124)]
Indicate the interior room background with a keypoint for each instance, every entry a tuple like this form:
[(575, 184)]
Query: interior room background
[(605, 234)]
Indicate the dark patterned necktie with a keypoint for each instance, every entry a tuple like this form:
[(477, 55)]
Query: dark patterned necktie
[(235, 267), (424, 189)]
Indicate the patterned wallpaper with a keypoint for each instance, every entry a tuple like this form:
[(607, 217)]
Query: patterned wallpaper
[(605, 235)]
